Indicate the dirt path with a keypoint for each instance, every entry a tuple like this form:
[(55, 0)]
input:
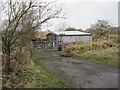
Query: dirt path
[(82, 74)]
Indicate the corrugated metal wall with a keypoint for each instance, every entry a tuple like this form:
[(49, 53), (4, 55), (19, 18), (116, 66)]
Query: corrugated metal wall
[(84, 39)]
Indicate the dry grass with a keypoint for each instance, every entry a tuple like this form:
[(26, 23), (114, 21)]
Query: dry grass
[(34, 75)]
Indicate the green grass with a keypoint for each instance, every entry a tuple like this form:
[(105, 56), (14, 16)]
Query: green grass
[(103, 52), (36, 76), (39, 63), (105, 57), (54, 59), (46, 79)]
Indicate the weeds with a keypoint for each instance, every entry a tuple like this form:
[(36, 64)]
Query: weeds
[(35, 75)]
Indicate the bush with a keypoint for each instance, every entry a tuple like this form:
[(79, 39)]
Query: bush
[(78, 49)]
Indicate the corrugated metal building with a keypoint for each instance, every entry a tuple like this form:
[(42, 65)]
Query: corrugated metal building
[(64, 37)]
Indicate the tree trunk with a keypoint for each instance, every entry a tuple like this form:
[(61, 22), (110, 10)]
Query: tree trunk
[(7, 64)]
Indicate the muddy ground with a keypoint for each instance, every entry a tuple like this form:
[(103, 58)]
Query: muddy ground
[(82, 74)]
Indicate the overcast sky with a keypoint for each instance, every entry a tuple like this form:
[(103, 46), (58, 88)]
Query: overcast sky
[(81, 13)]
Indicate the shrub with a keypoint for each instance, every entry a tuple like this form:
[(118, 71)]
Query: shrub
[(77, 49)]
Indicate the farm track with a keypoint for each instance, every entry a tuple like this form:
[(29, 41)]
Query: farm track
[(82, 74)]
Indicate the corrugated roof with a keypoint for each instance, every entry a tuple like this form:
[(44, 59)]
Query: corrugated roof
[(71, 33)]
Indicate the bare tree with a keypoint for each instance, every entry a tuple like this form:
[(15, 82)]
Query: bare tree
[(23, 17), (61, 26)]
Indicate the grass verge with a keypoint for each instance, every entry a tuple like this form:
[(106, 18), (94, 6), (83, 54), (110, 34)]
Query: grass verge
[(106, 57), (47, 79), (34, 75)]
